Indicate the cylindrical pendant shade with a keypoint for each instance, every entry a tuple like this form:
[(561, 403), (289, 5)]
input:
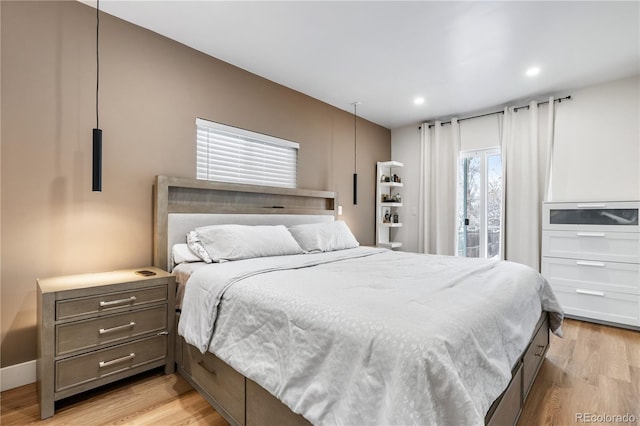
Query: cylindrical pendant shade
[(97, 160), (355, 188)]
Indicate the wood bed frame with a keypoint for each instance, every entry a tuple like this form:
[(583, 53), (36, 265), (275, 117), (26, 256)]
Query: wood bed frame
[(238, 399)]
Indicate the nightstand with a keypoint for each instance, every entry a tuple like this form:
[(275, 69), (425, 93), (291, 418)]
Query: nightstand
[(94, 329)]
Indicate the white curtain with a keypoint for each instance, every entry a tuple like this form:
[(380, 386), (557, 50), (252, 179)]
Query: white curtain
[(526, 160), (439, 150)]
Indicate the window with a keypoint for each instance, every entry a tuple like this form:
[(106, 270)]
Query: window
[(479, 203), (229, 154)]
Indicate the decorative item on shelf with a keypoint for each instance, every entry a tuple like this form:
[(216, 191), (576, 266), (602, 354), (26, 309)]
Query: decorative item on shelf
[(383, 178), (387, 217), (395, 198), (387, 179), (395, 218)]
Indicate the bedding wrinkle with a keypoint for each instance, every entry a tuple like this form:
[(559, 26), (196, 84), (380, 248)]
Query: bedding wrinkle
[(370, 337)]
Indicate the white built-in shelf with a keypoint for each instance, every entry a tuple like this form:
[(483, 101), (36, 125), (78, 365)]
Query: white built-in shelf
[(395, 244), (391, 164), (387, 232)]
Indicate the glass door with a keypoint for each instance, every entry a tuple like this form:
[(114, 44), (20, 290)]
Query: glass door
[(479, 203)]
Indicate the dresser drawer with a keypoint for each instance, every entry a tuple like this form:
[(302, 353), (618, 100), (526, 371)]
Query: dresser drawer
[(533, 357), (218, 379), (109, 329), (617, 216), (602, 305), (96, 365), (602, 246), (593, 275), (109, 302)]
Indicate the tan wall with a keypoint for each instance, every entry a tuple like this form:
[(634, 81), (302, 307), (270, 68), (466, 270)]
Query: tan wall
[(151, 91)]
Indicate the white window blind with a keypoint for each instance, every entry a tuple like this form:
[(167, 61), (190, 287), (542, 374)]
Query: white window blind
[(229, 154)]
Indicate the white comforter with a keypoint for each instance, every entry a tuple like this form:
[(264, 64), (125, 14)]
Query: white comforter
[(368, 336)]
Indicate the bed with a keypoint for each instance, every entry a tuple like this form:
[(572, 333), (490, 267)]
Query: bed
[(316, 337)]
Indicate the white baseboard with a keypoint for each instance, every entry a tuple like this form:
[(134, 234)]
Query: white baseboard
[(17, 375)]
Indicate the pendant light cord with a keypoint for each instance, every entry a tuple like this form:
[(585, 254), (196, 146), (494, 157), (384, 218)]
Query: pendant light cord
[(97, 60), (355, 152), (355, 137)]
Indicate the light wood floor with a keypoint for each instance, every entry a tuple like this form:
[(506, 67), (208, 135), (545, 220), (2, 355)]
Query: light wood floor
[(594, 369), (148, 399)]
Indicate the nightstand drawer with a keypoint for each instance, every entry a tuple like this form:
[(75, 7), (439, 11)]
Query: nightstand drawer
[(109, 302), (82, 369), (109, 329)]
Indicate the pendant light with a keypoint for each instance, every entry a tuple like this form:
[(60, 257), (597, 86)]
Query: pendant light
[(97, 132), (355, 152)]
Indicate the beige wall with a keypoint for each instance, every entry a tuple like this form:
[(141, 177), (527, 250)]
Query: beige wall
[(151, 91)]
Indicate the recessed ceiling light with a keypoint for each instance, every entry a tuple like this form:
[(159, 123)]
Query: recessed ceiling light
[(533, 71), (419, 100)]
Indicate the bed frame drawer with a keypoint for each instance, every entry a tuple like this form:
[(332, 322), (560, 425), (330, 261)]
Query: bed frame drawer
[(224, 384), (533, 357), (83, 369), (508, 410), (110, 302), (89, 334), (264, 409)]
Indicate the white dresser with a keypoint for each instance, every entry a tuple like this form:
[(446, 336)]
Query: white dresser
[(591, 258)]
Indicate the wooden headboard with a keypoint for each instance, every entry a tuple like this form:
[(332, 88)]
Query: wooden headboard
[(198, 200)]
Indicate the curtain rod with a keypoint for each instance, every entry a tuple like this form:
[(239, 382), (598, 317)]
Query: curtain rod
[(500, 112)]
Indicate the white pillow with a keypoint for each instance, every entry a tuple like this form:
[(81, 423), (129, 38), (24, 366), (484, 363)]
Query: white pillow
[(327, 236), (236, 242), (197, 248), (182, 254)]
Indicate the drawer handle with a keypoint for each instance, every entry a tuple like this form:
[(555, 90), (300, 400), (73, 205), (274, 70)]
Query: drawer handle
[(117, 328), (592, 205), (117, 302), (117, 360), (203, 365), (540, 350), (590, 292), (590, 234), (588, 263)]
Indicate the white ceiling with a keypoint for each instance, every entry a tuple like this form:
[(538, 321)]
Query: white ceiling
[(462, 57)]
